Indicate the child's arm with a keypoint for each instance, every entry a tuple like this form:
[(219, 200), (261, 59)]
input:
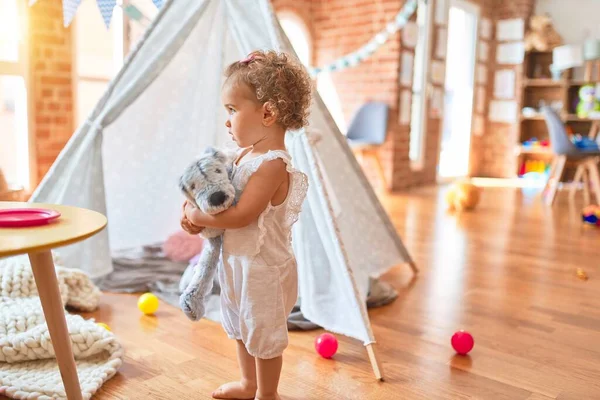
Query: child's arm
[(255, 198)]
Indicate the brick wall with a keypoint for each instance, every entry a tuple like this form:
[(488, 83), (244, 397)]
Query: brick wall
[(341, 26), (51, 82)]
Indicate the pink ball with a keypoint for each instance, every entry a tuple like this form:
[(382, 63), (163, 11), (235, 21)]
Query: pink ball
[(326, 345), (462, 342)]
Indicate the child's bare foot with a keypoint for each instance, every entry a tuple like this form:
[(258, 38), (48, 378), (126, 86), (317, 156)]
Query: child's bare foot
[(235, 390)]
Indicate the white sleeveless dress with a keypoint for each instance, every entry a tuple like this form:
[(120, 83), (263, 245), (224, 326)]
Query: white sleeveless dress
[(257, 273)]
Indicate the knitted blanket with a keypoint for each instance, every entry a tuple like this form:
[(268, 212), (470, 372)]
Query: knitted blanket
[(28, 368)]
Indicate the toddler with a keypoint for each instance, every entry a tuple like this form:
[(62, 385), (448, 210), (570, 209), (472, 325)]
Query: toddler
[(265, 95)]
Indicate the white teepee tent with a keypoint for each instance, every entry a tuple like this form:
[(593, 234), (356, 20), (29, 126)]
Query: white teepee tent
[(164, 107)]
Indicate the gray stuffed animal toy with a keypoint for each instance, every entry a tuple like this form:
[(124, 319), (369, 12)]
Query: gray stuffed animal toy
[(207, 184)]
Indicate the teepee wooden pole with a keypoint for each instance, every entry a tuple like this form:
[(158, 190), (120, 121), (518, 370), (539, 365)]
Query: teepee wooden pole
[(344, 258), (377, 369), (413, 267)]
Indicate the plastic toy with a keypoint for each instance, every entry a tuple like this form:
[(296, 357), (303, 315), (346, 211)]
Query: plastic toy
[(535, 143), (587, 101), (326, 345), (148, 303), (581, 274), (584, 142), (463, 195), (102, 324), (591, 215), (462, 342)]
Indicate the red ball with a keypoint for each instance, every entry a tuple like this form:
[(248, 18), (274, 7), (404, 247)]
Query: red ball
[(462, 342), (326, 345)]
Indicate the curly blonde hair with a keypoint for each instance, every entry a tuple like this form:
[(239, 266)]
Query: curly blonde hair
[(278, 81)]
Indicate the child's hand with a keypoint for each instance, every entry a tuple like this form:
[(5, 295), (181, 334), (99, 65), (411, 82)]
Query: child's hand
[(187, 225)]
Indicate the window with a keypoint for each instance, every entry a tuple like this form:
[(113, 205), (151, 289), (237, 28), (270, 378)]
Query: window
[(100, 52), (299, 36), (98, 55), (14, 131), (419, 93)]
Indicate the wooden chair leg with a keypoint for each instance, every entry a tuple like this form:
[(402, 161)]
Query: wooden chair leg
[(379, 167), (550, 176), (586, 187), (560, 168), (47, 285), (594, 178), (578, 178)]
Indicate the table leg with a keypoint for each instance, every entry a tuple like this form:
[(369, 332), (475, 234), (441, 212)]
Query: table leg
[(47, 284)]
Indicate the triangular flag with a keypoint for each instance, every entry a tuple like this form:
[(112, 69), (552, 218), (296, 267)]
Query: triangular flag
[(69, 10), (158, 3), (133, 12), (106, 9)]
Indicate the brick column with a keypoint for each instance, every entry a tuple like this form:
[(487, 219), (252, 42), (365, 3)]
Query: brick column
[(51, 82)]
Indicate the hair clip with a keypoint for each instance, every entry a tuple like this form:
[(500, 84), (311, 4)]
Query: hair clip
[(248, 60)]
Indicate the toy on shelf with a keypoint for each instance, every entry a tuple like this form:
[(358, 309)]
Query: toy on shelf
[(537, 166), (535, 143), (588, 103), (541, 35), (584, 142), (591, 215)]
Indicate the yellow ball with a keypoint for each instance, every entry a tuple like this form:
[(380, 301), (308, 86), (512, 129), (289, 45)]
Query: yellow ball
[(148, 303), (102, 324)]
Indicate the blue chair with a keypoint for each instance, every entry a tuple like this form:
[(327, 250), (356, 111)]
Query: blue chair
[(565, 151), (368, 131)]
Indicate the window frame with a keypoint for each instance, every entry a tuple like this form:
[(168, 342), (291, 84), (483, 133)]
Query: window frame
[(21, 68), (292, 15), (75, 74), (425, 92)]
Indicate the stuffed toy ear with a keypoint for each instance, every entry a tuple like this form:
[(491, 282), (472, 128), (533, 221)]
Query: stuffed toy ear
[(230, 156), (210, 150), (224, 156)]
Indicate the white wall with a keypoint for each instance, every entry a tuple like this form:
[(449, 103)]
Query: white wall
[(572, 18)]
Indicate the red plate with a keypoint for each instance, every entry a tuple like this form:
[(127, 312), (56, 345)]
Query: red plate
[(22, 217)]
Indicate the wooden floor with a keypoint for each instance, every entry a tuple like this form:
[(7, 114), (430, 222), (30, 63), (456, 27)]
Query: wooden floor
[(505, 272)]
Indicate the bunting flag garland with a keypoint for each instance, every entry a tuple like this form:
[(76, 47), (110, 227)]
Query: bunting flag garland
[(106, 9), (353, 59), (133, 12), (158, 3), (69, 10)]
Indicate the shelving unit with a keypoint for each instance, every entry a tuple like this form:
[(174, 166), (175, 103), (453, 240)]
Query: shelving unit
[(537, 87)]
